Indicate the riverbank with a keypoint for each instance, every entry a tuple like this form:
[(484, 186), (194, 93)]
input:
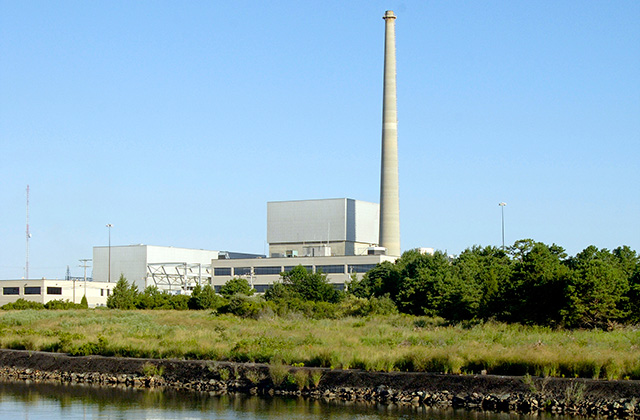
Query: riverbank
[(380, 343), (586, 397)]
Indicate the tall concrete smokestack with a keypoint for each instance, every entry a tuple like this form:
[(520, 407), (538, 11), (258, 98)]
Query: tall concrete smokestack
[(389, 201)]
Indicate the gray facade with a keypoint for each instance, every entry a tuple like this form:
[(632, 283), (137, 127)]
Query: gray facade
[(338, 226)]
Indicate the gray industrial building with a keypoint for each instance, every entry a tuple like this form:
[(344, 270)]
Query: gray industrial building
[(306, 228)]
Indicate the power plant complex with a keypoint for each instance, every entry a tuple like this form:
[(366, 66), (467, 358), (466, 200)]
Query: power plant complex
[(339, 237)]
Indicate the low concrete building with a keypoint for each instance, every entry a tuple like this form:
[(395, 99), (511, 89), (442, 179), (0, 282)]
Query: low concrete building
[(45, 290), (261, 273)]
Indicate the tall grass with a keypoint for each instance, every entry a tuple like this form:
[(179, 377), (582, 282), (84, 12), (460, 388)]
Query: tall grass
[(396, 342)]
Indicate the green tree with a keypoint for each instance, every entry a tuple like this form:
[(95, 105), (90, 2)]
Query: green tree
[(381, 280), (123, 295), (425, 280), (480, 274), (598, 289), (204, 298), (538, 287), (310, 286), (83, 302), (236, 285)]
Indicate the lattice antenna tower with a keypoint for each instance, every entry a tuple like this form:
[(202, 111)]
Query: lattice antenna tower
[(26, 267)]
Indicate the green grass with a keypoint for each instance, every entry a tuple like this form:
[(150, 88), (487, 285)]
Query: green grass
[(385, 343)]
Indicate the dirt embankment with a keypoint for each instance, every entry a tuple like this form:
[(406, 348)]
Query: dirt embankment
[(480, 392)]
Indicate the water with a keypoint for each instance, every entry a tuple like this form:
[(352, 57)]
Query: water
[(69, 402)]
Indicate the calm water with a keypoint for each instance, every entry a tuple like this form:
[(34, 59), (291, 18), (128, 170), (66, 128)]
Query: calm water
[(56, 402)]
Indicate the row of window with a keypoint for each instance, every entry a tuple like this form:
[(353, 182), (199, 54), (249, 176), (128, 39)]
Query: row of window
[(326, 269), (261, 288), (31, 290)]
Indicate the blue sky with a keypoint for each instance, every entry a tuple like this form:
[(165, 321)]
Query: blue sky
[(177, 121)]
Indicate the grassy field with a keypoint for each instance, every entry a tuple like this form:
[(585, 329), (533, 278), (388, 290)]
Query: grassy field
[(386, 343)]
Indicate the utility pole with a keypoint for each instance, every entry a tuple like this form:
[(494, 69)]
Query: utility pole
[(84, 265)]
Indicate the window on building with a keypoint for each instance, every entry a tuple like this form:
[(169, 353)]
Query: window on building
[(10, 290), (261, 288), (291, 267), (266, 270), (101, 292), (217, 288), (54, 290), (242, 271), (108, 292), (222, 271), (32, 290), (360, 268), (338, 286), (330, 269)]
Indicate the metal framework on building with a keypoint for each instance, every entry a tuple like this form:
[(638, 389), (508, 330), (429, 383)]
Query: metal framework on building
[(178, 276)]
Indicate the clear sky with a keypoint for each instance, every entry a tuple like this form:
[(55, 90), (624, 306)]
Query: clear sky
[(177, 121)]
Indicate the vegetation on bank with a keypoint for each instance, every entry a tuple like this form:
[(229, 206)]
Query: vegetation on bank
[(530, 309), (378, 343)]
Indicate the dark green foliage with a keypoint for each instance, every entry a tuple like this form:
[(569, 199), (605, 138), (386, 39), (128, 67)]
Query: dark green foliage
[(62, 304), (532, 283), (204, 298), (381, 280), (22, 304), (425, 280), (246, 307), (597, 293), (633, 297), (483, 274), (537, 291), (236, 285), (300, 284), (361, 306), (83, 302), (153, 298), (123, 295)]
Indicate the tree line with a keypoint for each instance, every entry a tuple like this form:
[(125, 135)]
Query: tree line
[(529, 282)]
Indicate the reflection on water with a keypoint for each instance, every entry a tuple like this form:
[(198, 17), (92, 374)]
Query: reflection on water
[(46, 401)]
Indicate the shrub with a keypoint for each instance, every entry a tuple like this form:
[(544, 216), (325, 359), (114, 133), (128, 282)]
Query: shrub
[(236, 286), (62, 304), (21, 304), (205, 298), (278, 372), (246, 307), (360, 306), (123, 295)]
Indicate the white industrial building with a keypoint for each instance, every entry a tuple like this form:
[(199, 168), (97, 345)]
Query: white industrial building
[(150, 265), (306, 228), (45, 290)]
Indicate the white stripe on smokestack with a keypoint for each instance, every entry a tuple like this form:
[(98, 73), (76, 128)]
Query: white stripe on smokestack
[(389, 201)]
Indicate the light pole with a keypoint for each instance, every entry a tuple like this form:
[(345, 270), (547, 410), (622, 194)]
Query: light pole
[(502, 204), (109, 226)]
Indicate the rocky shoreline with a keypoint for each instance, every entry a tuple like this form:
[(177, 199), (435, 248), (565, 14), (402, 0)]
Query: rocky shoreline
[(583, 397)]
